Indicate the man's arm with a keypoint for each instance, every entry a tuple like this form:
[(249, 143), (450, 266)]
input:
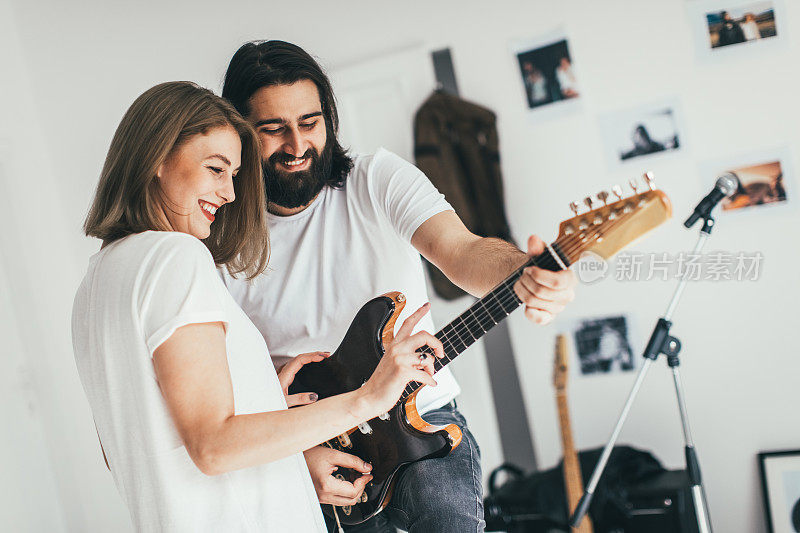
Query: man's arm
[(478, 264)]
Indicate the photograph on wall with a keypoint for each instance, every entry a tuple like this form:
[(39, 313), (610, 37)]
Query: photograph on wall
[(761, 180), (722, 26), (644, 131), (780, 485), (757, 185), (546, 70), (744, 24), (603, 346)]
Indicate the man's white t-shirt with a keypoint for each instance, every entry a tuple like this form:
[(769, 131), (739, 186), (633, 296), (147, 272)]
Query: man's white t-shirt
[(136, 293), (349, 246)]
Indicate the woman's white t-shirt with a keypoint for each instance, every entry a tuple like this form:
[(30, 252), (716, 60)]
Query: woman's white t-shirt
[(136, 293)]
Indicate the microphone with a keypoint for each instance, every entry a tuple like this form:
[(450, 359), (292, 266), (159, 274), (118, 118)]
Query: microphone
[(726, 186)]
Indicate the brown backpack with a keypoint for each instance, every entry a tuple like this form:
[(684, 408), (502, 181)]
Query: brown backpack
[(455, 145)]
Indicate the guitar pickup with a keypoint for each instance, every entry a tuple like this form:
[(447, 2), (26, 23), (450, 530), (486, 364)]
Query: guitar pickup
[(365, 428), (344, 440)]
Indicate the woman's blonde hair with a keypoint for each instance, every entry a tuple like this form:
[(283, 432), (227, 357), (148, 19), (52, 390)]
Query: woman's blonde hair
[(129, 198)]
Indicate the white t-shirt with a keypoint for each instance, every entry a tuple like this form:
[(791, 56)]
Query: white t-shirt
[(136, 293), (349, 246), (750, 30)]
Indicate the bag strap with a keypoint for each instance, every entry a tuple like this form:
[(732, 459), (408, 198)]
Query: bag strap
[(513, 470)]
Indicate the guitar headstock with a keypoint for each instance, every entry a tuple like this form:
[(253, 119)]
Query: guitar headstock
[(607, 229), (560, 364)]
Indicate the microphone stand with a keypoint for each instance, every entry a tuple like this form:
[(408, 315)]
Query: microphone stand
[(661, 342)]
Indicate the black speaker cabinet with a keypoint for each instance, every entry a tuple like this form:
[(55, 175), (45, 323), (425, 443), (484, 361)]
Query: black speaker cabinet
[(661, 504)]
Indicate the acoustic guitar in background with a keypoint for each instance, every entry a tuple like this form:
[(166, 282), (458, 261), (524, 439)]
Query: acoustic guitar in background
[(401, 437), (572, 468)]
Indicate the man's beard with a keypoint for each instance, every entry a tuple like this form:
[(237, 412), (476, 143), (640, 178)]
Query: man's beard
[(294, 189)]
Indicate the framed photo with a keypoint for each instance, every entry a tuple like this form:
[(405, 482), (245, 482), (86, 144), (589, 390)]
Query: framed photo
[(780, 483), (603, 345), (651, 130), (726, 27), (547, 74), (764, 180)]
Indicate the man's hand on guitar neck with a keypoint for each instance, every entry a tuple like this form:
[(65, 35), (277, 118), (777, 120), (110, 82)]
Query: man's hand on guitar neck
[(478, 264), (323, 463), (544, 293)]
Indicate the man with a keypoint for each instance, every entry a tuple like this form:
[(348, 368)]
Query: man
[(729, 31), (344, 230)]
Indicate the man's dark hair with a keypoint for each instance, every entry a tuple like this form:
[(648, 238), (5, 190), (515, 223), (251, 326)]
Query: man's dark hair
[(260, 64)]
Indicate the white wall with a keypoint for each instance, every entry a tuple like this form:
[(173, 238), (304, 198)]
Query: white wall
[(58, 483), (75, 69)]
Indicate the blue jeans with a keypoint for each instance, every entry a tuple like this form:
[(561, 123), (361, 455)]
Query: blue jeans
[(435, 495)]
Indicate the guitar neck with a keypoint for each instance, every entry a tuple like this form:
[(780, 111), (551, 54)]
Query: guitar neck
[(572, 470), (486, 313)]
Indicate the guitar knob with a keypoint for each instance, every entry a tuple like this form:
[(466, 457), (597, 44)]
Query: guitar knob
[(364, 497), (344, 440), (588, 202), (603, 195), (617, 190), (650, 180), (574, 207)]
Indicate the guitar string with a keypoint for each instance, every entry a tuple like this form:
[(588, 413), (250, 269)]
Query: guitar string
[(501, 299), (568, 246), (576, 242), (505, 297)]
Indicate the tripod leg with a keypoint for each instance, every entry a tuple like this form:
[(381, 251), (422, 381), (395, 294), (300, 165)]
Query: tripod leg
[(588, 493), (692, 464)]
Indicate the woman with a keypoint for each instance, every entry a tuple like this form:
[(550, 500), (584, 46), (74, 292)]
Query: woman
[(190, 413), (750, 28)]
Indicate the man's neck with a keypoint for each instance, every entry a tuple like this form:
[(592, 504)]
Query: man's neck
[(282, 211)]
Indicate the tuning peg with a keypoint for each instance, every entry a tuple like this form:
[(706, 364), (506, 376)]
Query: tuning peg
[(574, 207), (634, 185), (603, 195), (588, 202), (650, 180), (617, 190)]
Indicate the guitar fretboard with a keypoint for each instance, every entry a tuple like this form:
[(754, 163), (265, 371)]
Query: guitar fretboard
[(484, 314)]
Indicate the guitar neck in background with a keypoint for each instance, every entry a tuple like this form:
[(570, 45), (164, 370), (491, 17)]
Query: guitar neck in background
[(487, 312), (572, 468)]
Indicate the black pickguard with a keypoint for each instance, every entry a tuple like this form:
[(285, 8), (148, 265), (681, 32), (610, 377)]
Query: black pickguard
[(393, 443)]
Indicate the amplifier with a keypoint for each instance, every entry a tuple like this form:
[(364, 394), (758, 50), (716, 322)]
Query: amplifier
[(661, 504)]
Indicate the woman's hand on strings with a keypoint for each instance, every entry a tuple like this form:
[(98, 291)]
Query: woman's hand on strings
[(402, 363)]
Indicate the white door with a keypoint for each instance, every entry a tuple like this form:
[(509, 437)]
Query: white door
[(378, 99)]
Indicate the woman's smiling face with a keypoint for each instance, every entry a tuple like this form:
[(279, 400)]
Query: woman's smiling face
[(197, 179)]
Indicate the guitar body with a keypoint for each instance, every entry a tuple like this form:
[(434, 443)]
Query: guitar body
[(391, 443)]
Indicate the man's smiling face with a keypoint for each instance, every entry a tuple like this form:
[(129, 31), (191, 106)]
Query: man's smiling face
[(294, 153)]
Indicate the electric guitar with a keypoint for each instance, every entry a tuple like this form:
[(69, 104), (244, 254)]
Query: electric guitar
[(401, 436), (572, 468)]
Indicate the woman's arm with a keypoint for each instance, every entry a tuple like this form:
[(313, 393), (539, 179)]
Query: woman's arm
[(192, 371)]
